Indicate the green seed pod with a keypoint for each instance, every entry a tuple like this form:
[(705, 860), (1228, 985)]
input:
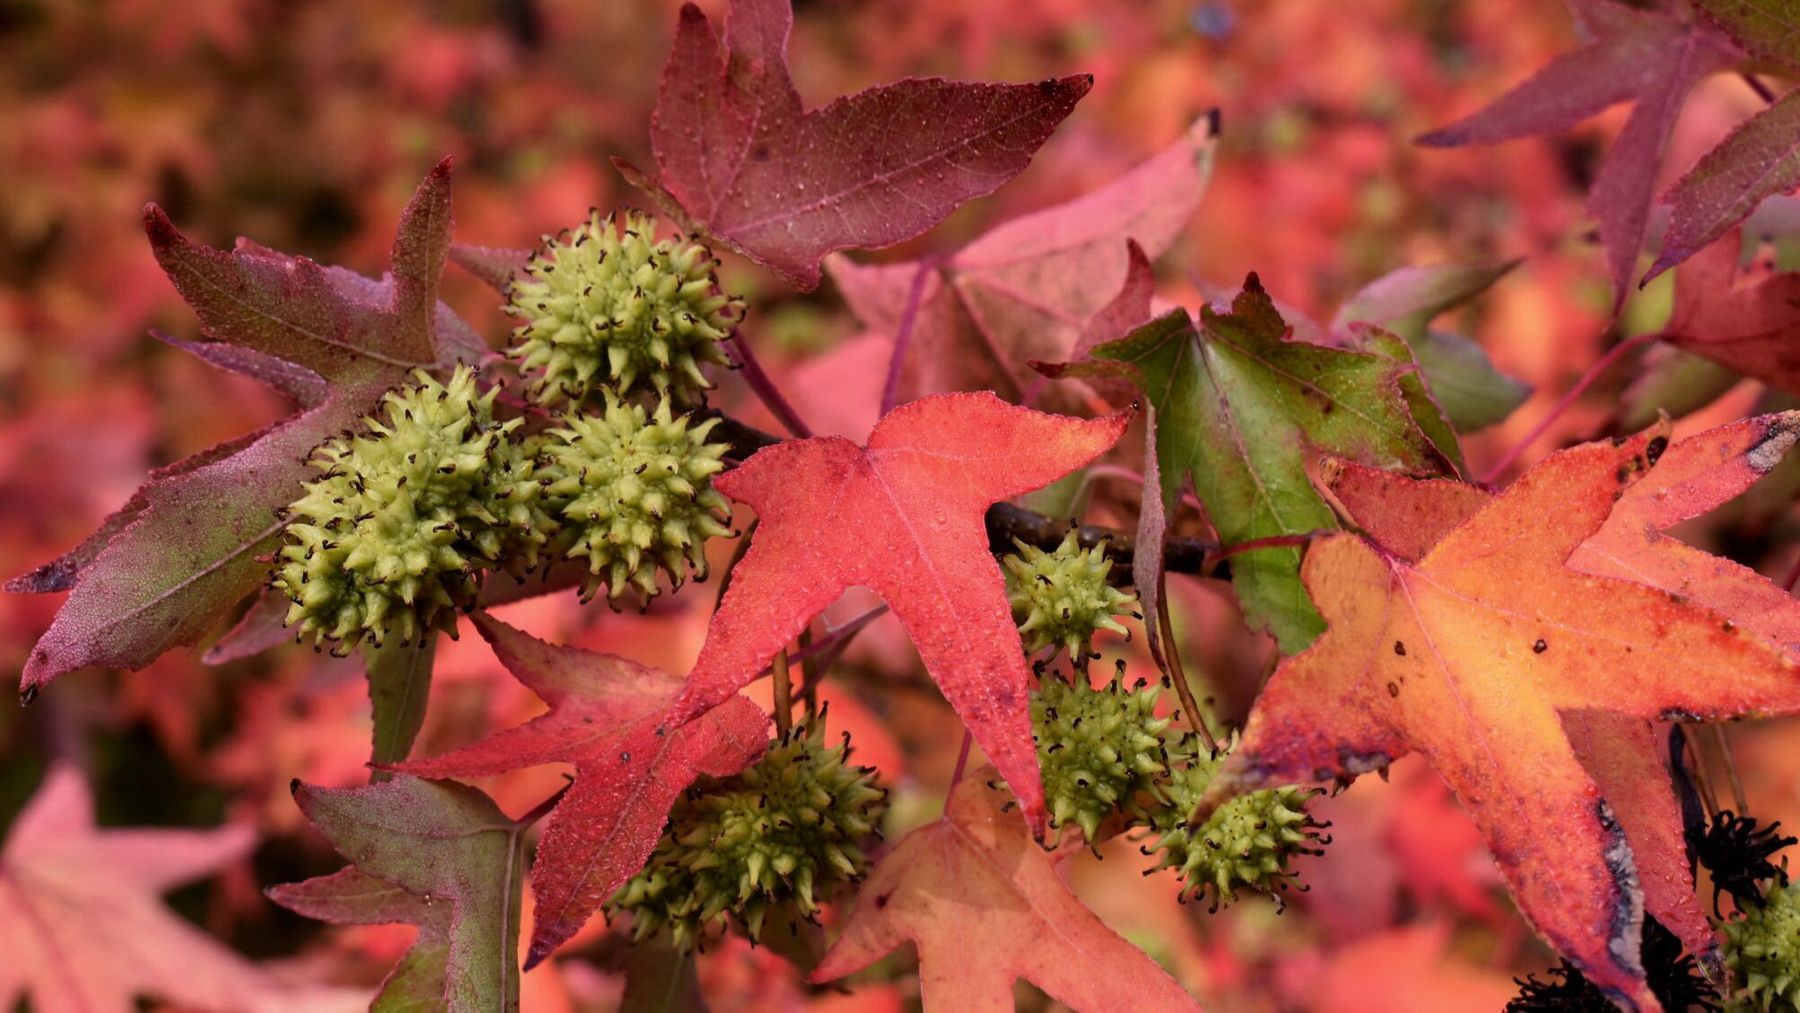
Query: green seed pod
[(619, 309), (1061, 598), (1763, 951), (1097, 748), (788, 828), (395, 533), (632, 492), (1247, 843)]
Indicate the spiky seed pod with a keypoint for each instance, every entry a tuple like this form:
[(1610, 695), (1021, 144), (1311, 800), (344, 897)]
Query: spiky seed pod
[(1763, 951), (1736, 853), (631, 492), (788, 828), (1096, 748), (1672, 974), (618, 308), (1061, 598), (1247, 843), (395, 533)]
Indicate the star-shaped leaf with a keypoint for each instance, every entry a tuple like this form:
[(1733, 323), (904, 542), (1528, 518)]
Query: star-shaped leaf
[(194, 540), (439, 856), (1749, 323), (1760, 157), (1238, 405), (1649, 55), (984, 906), (902, 516), (740, 158), (82, 924), (1472, 648), (628, 770)]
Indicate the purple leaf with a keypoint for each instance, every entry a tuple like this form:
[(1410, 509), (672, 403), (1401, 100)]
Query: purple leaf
[(1759, 158), (745, 162), (495, 265)]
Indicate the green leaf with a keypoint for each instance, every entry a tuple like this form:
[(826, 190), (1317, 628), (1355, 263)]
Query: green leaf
[(434, 854), (1463, 380), (1676, 381), (399, 685), (1239, 405)]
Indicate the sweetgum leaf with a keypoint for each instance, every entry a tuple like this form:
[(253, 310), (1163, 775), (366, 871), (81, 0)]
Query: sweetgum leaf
[(1030, 287), (1761, 157), (1768, 28), (1472, 625), (1649, 55), (902, 516), (741, 159), (82, 924), (439, 856), (1238, 403), (985, 906), (399, 676), (194, 539), (1747, 323), (628, 769)]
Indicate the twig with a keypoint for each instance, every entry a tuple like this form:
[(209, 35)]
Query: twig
[(890, 389), (1702, 783), (766, 390), (1172, 651), (784, 696), (1731, 771), (1594, 372), (1762, 90)]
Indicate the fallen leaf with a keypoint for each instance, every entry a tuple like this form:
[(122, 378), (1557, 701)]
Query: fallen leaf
[(439, 856), (902, 516), (195, 538), (1238, 405), (1647, 55), (741, 159), (1471, 655), (82, 923), (628, 770), (984, 906)]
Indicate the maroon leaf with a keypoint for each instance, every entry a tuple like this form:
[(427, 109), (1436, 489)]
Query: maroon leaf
[(193, 540), (1760, 158), (495, 265), (741, 159), (603, 718), (1749, 323), (1645, 54)]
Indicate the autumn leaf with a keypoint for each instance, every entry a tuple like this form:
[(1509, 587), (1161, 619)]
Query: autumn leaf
[(1760, 157), (439, 856), (628, 769), (902, 516), (741, 159), (1473, 654), (1647, 55), (1238, 404), (1767, 28), (1749, 323), (1027, 288), (82, 923), (984, 906), (194, 540)]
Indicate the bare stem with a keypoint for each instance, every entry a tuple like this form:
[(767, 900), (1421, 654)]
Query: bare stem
[(784, 696), (766, 390), (890, 390), (1177, 675), (1618, 351)]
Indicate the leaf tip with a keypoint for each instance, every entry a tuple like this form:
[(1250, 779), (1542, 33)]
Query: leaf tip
[(28, 693), (158, 227), (1215, 122), (294, 787)]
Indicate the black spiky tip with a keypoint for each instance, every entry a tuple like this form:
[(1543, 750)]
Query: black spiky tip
[(1673, 975), (1737, 853)]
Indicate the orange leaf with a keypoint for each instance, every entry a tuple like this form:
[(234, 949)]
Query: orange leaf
[(903, 517), (1471, 653), (984, 906)]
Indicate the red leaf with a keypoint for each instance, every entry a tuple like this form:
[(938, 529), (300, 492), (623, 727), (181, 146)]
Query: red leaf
[(984, 906), (1748, 323), (82, 924), (1761, 157), (903, 517), (1644, 54), (628, 770), (743, 160), (1470, 655), (192, 541)]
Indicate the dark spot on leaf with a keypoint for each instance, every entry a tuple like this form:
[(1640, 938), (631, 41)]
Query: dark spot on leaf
[(1654, 449), (1539, 647), (1400, 648), (881, 899), (1393, 691)]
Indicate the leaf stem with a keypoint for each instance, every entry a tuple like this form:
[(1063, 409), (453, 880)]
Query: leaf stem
[(766, 391), (809, 676), (1594, 372), (1756, 85), (1731, 771), (1178, 675), (962, 761), (1702, 782), (784, 696), (909, 315)]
